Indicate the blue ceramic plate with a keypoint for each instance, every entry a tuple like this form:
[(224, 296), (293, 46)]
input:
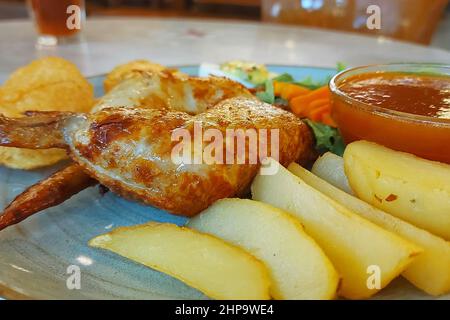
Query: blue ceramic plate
[(36, 254)]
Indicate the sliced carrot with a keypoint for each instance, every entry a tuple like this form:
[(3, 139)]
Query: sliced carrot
[(315, 104), (317, 113), (300, 109), (288, 90), (320, 93), (291, 90), (319, 102), (278, 88)]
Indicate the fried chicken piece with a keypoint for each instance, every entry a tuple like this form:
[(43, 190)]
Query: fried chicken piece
[(129, 150), (48, 193), (139, 84)]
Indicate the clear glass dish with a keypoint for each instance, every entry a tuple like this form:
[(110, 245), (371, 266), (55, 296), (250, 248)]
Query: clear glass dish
[(424, 136)]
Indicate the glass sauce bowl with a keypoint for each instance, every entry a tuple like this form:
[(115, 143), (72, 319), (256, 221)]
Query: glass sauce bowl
[(425, 136)]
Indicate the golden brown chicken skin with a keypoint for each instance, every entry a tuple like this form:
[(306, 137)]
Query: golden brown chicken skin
[(47, 193), (125, 143), (129, 151), (168, 90), (138, 84)]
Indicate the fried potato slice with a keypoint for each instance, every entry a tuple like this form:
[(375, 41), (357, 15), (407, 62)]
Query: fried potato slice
[(332, 166), (411, 188), (214, 267), (430, 271), (47, 84), (298, 267), (123, 71), (355, 246)]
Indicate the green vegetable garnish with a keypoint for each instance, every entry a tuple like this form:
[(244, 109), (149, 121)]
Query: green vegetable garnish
[(309, 83), (340, 66), (247, 71), (284, 77), (267, 95), (280, 102), (327, 138)]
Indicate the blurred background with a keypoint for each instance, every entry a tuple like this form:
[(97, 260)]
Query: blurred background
[(424, 22)]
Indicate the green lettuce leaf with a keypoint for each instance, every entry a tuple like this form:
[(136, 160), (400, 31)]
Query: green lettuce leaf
[(309, 83), (327, 138), (267, 95), (340, 66), (284, 77)]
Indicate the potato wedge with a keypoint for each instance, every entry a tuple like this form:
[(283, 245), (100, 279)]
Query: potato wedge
[(430, 271), (355, 246), (332, 166), (413, 189), (212, 266), (298, 267)]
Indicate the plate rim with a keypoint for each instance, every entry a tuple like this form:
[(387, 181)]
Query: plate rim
[(7, 293)]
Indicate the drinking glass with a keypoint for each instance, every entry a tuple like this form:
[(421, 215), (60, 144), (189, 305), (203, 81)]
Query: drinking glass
[(57, 21)]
